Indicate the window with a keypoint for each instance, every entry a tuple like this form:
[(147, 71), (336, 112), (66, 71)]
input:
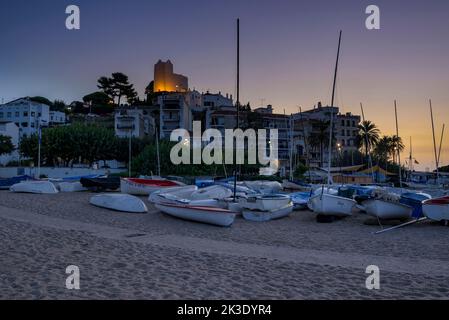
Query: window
[(25, 113), (33, 114), (348, 123), (25, 124), (39, 114), (1, 114), (349, 133), (8, 115), (353, 123), (343, 132), (17, 114), (342, 123)]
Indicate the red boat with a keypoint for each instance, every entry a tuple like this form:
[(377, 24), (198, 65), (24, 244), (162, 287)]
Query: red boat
[(145, 187)]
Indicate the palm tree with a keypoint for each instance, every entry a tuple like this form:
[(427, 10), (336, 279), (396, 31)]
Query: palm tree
[(368, 136), (319, 137), (396, 145)]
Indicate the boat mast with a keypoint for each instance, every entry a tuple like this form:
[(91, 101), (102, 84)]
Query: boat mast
[(332, 114), (291, 147), (441, 143), (397, 144), (237, 104), (370, 161), (158, 155), (434, 142)]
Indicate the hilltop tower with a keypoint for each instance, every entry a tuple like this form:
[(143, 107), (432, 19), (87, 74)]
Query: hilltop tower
[(166, 80)]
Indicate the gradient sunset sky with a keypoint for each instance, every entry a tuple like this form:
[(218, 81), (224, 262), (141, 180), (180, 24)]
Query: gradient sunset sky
[(288, 52)]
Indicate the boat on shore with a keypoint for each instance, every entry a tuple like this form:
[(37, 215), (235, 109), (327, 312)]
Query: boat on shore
[(145, 187), (208, 196), (39, 187), (327, 204), (437, 209), (204, 214), (119, 202), (300, 200), (263, 216), (264, 202), (387, 210)]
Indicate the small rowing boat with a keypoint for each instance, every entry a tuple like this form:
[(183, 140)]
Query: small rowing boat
[(437, 209), (210, 215), (263, 216), (40, 187), (264, 202), (119, 202), (145, 187)]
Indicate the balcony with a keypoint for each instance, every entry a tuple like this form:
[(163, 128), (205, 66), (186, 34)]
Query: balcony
[(125, 127)]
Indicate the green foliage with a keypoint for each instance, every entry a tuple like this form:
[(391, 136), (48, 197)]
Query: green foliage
[(146, 164), (118, 86), (300, 170), (42, 100), (6, 145), (88, 143)]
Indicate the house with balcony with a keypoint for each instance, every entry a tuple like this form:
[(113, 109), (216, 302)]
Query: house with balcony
[(134, 122), (26, 114)]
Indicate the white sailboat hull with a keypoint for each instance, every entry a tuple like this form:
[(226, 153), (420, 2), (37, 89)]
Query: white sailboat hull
[(210, 215), (40, 187), (437, 209), (327, 204), (264, 202), (387, 210), (119, 202), (262, 216)]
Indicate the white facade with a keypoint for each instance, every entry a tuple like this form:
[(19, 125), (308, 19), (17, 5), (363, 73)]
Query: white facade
[(10, 129), (57, 118), (25, 114), (133, 121)]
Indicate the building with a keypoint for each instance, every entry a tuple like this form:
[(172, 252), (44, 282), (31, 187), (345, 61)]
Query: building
[(57, 118), (281, 123), (311, 134), (174, 113), (26, 114), (165, 80), (135, 122), (10, 129)]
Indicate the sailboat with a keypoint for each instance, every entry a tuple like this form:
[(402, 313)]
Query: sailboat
[(324, 203)]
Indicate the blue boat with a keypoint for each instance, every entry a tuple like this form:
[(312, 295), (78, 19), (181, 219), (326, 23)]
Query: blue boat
[(300, 200), (5, 184), (415, 200)]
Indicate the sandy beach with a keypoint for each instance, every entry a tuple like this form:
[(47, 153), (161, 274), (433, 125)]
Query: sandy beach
[(155, 256)]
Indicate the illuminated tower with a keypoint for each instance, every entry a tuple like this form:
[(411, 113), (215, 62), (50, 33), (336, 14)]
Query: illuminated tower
[(166, 80)]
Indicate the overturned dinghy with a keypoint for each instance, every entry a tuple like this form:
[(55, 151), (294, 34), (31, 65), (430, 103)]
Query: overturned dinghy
[(119, 202), (40, 187), (210, 215), (262, 216)]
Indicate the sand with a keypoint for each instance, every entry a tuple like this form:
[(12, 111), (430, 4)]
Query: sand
[(155, 256)]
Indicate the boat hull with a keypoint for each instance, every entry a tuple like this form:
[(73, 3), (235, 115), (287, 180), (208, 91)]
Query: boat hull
[(144, 187), (263, 216), (119, 202), (39, 187), (387, 210), (264, 202), (209, 215), (436, 209), (327, 204)]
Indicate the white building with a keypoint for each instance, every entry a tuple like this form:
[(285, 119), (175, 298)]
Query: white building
[(57, 118), (134, 121), (25, 114), (10, 129)]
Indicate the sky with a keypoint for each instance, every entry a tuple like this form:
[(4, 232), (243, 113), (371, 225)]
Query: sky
[(288, 50)]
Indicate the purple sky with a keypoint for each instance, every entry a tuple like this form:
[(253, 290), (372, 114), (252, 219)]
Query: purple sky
[(287, 53)]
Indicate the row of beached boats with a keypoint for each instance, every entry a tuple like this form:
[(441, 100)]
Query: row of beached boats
[(254, 200)]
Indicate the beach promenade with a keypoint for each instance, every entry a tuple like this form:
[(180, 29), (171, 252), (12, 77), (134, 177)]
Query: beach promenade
[(154, 256)]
